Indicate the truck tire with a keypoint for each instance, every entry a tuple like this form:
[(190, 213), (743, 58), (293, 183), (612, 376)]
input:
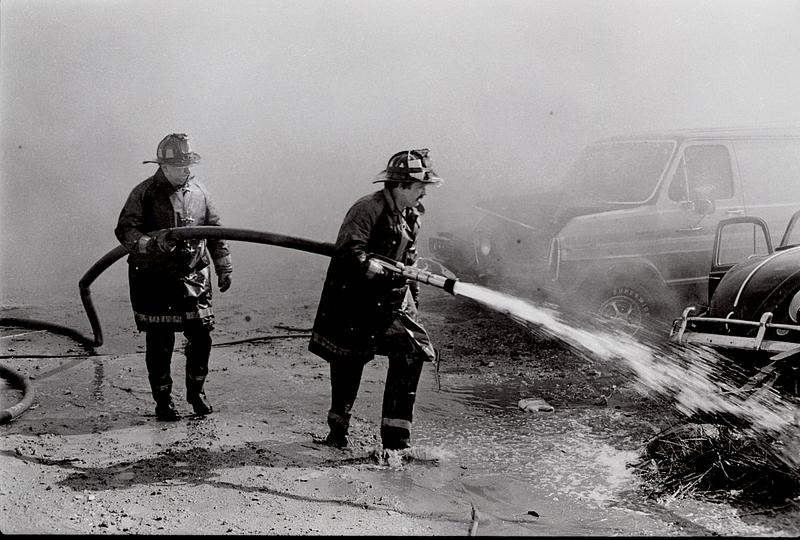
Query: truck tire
[(625, 307)]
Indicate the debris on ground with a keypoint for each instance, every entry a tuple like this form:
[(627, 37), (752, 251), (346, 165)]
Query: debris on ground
[(535, 405), (723, 463)]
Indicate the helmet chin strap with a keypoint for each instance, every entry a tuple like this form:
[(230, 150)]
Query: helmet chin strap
[(394, 199), (183, 181)]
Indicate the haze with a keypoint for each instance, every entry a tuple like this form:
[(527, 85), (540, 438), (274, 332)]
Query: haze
[(296, 105)]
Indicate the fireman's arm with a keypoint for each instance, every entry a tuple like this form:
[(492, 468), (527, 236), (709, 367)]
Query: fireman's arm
[(130, 228), (353, 239), (218, 248)]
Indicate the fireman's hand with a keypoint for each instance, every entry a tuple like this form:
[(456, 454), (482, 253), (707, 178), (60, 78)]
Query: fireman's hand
[(413, 287), (374, 269), (224, 281), (162, 242)]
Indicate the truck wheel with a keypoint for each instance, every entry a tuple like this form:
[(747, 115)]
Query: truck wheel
[(625, 308)]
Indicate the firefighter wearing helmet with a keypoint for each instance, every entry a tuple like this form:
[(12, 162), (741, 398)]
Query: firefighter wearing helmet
[(170, 281), (363, 311)]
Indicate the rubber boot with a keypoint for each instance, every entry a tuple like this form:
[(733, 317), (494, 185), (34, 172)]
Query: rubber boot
[(345, 380), (399, 395), (337, 436), (197, 397), (198, 349), (165, 408), (200, 403)]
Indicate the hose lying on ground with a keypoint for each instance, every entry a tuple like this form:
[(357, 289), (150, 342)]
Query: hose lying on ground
[(33, 324), (21, 382)]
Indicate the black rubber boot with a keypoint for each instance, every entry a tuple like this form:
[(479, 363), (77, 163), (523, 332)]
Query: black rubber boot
[(337, 439), (166, 412), (200, 403)]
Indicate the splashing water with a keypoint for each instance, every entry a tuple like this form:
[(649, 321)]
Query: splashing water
[(684, 374)]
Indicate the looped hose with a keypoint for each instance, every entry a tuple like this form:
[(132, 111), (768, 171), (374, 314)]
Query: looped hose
[(20, 382), (183, 233)]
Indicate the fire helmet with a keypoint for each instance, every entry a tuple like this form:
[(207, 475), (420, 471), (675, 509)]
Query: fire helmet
[(409, 166), (174, 150)]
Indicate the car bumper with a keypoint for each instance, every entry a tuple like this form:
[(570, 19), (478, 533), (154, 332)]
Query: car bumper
[(695, 329)]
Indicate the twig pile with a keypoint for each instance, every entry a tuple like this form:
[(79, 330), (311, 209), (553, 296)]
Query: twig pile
[(722, 462)]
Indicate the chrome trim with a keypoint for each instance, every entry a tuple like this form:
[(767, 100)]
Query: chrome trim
[(510, 220), (554, 259), (680, 334)]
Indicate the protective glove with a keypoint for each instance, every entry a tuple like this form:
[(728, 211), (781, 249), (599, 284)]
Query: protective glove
[(224, 281), (162, 242), (414, 288), (374, 269)]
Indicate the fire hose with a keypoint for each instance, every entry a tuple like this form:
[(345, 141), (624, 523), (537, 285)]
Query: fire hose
[(244, 235), (24, 384), (186, 233)]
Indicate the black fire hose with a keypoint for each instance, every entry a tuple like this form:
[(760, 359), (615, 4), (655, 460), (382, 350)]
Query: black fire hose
[(184, 233), (178, 233), (20, 382)]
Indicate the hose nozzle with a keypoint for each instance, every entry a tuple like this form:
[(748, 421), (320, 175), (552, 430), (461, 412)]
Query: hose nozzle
[(417, 274)]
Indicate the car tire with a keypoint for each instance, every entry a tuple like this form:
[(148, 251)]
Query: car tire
[(625, 307)]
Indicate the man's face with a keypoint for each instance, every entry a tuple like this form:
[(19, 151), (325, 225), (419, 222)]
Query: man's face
[(411, 195), (177, 174)]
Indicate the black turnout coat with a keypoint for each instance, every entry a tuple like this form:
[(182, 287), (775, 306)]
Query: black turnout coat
[(356, 311), (170, 290)]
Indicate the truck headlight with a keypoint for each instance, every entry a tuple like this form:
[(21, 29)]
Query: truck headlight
[(485, 245)]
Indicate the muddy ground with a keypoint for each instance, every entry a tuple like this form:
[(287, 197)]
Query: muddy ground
[(89, 457)]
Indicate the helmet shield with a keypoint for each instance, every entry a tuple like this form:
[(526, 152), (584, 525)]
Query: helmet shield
[(174, 149), (409, 166)]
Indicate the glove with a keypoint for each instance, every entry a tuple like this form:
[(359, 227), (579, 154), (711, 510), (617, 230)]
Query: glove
[(374, 269), (162, 242), (413, 287), (224, 281)]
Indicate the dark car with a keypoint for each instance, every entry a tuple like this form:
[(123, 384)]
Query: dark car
[(753, 311)]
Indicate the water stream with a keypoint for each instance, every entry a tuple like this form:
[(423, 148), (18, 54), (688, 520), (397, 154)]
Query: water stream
[(686, 374)]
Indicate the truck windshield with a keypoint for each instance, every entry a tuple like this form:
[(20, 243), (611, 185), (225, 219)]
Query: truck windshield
[(626, 172)]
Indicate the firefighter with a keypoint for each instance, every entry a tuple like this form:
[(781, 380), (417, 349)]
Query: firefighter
[(363, 311), (169, 280)]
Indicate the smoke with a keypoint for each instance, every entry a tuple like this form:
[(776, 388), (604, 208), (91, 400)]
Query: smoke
[(295, 106)]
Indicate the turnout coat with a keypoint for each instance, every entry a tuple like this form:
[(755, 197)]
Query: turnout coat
[(357, 313), (170, 290)]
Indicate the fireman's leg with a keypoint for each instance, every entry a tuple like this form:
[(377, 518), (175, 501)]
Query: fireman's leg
[(399, 395), (158, 357), (345, 380), (198, 351)]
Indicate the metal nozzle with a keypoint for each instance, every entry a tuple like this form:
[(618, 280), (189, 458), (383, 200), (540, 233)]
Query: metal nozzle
[(417, 274)]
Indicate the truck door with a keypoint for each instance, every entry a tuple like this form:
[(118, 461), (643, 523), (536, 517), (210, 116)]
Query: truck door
[(737, 239), (702, 190)]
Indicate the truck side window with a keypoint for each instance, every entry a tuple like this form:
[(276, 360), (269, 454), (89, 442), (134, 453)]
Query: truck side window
[(708, 172)]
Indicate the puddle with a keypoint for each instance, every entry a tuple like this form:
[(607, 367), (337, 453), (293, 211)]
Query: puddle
[(524, 472)]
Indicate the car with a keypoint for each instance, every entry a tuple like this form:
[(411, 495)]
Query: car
[(627, 233), (752, 315)]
